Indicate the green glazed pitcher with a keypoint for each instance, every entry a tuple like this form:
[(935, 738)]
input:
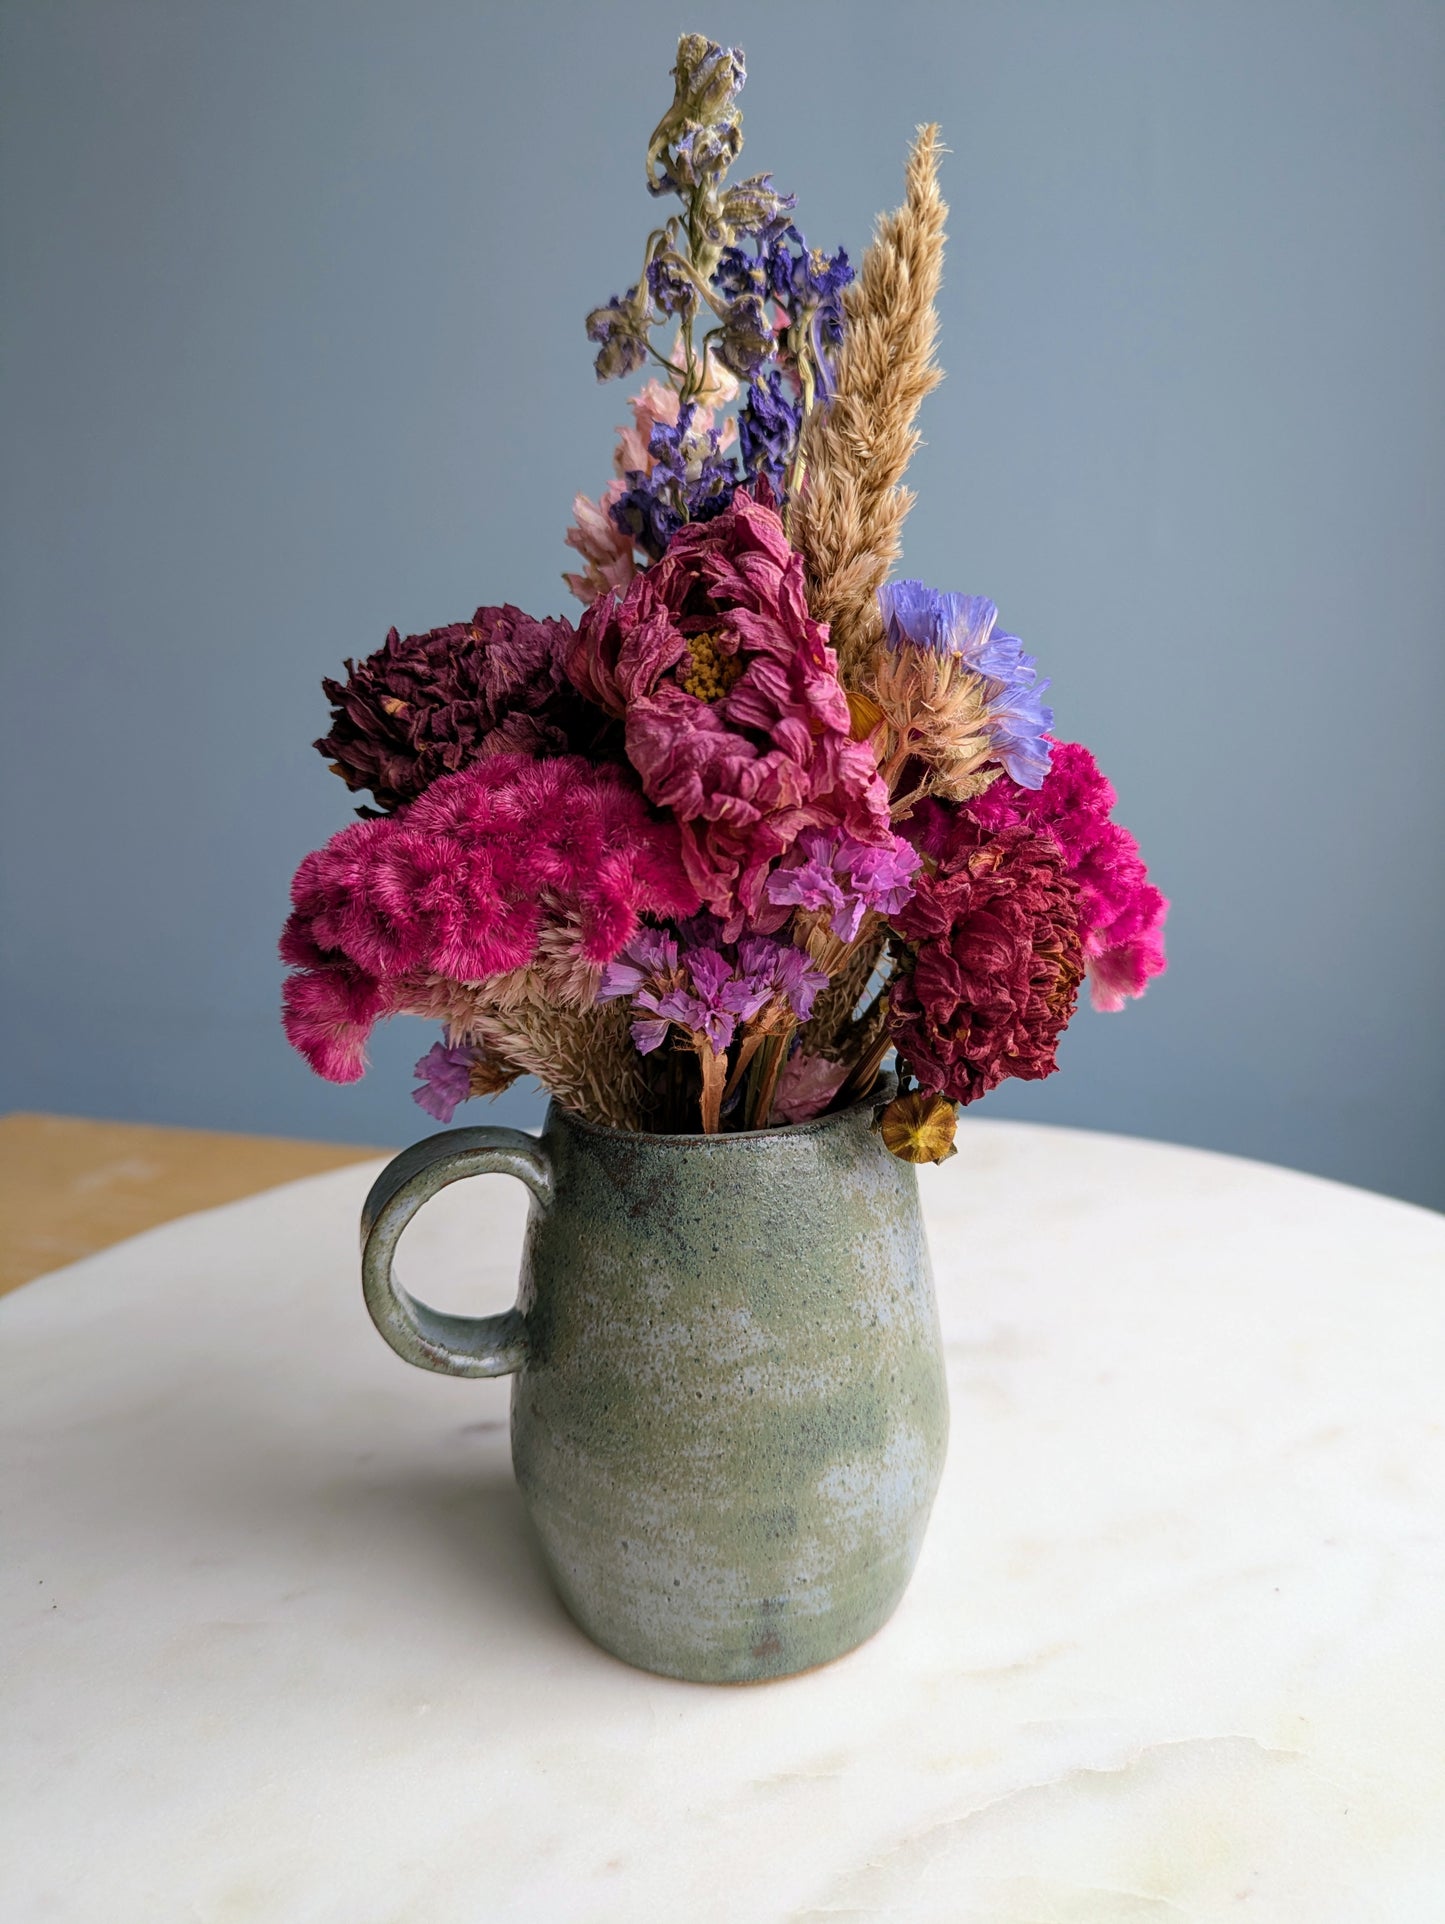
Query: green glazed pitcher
[(728, 1406)]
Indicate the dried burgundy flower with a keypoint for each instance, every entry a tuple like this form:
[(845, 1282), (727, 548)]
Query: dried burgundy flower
[(997, 962), (429, 704)]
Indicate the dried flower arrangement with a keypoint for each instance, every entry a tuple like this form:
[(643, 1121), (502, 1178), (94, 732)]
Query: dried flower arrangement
[(764, 815)]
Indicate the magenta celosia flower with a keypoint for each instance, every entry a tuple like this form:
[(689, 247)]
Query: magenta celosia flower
[(1121, 913), (329, 1011), (466, 885), (845, 877), (735, 717), (997, 960)]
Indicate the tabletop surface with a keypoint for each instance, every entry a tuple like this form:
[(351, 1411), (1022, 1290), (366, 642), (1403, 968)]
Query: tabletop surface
[(70, 1186), (278, 1646)]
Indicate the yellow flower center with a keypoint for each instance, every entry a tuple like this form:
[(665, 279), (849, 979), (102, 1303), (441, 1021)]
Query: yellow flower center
[(711, 673)]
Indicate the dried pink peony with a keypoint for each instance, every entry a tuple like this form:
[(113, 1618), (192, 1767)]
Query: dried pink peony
[(1121, 913), (735, 717), (477, 878)]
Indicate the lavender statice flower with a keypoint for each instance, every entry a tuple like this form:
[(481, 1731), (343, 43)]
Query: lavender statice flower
[(836, 873), (706, 986), (961, 630), (445, 1077)]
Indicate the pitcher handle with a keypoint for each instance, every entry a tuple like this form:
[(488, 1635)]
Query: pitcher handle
[(432, 1338)]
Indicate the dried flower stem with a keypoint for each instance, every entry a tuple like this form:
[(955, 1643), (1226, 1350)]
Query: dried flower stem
[(848, 520), (714, 1073), (865, 1072), (767, 1068), (828, 1030)]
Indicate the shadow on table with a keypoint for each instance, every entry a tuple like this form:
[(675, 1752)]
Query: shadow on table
[(234, 1495)]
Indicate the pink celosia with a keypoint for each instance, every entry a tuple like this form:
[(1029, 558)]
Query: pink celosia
[(1121, 913), (606, 548), (735, 717), (656, 405), (469, 883)]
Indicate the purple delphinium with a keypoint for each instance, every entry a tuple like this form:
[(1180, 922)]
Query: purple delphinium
[(809, 285), (690, 481), (619, 329), (835, 872), (963, 626), (768, 425), (445, 1076)]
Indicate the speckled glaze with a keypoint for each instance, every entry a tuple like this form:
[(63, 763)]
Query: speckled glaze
[(728, 1413)]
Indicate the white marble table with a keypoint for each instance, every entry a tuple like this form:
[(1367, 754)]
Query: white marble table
[(277, 1647)]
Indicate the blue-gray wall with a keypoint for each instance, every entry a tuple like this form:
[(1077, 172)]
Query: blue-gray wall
[(293, 300)]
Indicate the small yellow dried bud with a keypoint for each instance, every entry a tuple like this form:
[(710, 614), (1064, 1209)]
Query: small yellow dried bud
[(920, 1128), (394, 705)]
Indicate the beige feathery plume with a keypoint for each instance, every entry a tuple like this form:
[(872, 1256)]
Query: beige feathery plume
[(530, 1023), (848, 519), (583, 1057)]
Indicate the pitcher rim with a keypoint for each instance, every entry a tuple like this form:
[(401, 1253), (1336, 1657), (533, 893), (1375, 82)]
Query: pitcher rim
[(882, 1092)]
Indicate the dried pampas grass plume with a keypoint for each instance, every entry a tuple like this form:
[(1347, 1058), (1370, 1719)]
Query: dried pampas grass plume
[(848, 520), (583, 1057)]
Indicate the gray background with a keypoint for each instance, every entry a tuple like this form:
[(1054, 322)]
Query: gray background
[(293, 350)]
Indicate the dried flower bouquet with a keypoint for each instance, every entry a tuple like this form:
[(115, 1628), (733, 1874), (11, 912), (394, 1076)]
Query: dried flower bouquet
[(764, 815)]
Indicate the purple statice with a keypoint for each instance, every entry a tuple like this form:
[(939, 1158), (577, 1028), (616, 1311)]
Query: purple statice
[(962, 627), (690, 481), (706, 986), (768, 426), (834, 872), (795, 979), (445, 1077)]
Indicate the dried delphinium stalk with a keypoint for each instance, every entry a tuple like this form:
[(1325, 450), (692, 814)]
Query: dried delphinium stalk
[(848, 519)]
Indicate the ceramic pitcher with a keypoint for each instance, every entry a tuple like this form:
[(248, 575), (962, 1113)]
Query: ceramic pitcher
[(728, 1406)]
